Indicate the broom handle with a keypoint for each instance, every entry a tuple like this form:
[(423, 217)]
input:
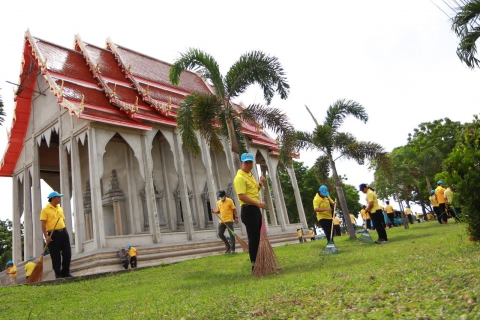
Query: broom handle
[(333, 213), (45, 248), (225, 224)]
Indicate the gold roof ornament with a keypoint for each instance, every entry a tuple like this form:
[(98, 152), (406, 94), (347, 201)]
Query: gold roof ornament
[(135, 108), (60, 92), (129, 69), (43, 64), (147, 92), (169, 105), (114, 93), (97, 67)]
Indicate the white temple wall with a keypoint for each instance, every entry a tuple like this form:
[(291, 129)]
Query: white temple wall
[(66, 120), (45, 108), (224, 175)]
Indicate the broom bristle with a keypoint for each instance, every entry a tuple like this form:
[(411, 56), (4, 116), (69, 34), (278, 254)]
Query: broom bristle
[(267, 261), (37, 272), (329, 249), (242, 243), (366, 237)]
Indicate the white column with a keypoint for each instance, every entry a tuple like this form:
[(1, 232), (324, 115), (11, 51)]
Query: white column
[(132, 198), (96, 190), (16, 236), (276, 194), (65, 188), (196, 195), (268, 196), (170, 214), (298, 198), (212, 187), (27, 215), (282, 199), (187, 213), (80, 233), (36, 203)]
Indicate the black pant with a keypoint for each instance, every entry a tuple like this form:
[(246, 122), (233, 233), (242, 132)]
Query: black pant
[(442, 214), (436, 210), (252, 219), (391, 216), (336, 230), (410, 219), (125, 264), (326, 225), (369, 225), (221, 234), (60, 252), (133, 262), (377, 218)]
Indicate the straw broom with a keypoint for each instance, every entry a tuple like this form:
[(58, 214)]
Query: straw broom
[(242, 242), (330, 247), (267, 261), (37, 272)]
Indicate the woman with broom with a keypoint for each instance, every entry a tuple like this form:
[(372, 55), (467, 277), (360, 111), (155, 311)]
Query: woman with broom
[(375, 211), (322, 206)]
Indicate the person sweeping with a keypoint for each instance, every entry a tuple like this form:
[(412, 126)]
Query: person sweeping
[(375, 211), (247, 189), (228, 216), (322, 206)]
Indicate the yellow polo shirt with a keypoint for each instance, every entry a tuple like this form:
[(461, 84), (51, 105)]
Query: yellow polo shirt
[(408, 211), (310, 233), (336, 221), (352, 218), (244, 183), (371, 196), (433, 200), (29, 268), (226, 209), (299, 233), (439, 192), (448, 195), (12, 271), (365, 214), (132, 252), (388, 208), (319, 202), (51, 214)]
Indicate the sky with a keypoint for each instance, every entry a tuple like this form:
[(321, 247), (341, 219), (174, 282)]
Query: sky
[(397, 58)]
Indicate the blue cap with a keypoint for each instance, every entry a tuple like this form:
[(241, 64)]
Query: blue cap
[(246, 157), (362, 186), (128, 246), (439, 182), (221, 193), (29, 259), (432, 191), (323, 191), (9, 262), (54, 194)]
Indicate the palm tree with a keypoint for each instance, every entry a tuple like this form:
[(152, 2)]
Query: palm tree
[(214, 115), (466, 26), (335, 145)]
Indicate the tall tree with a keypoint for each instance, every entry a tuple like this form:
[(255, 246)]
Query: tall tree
[(466, 26), (334, 145), (214, 115), (5, 242)]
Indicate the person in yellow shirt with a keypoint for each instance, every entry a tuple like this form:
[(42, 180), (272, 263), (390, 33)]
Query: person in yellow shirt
[(434, 203), (366, 218), (12, 272), (449, 192), (228, 215), (336, 227), (247, 189), (300, 235), (310, 233), (375, 211), (29, 267), (440, 194), (322, 206), (56, 235), (408, 212), (390, 213), (132, 253)]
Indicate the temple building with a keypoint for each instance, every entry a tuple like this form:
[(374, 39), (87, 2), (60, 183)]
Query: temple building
[(98, 125)]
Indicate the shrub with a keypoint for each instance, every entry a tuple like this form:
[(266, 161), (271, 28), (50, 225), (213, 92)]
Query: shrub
[(462, 168)]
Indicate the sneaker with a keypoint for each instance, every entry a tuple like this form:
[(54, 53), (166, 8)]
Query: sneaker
[(232, 251), (58, 276), (227, 251), (68, 276), (381, 241)]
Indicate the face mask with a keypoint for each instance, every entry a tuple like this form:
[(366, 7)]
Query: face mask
[(223, 198)]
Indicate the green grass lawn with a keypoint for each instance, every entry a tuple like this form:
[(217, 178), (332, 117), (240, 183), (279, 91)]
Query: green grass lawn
[(429, 271)]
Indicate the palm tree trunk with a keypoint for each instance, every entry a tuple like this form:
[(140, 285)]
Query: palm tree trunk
[(235, 148), (402, 212), (429, 184), (341, 198)]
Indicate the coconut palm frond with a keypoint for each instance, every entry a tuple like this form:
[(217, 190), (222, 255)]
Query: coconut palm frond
[(322, 169), (205, 112), (343, 139), (362, 151), (337, 113), (257, 67), (186, 124), (311, 114), (287, 147), (304, 140), (323, 138), (197, 60), (466, 26)]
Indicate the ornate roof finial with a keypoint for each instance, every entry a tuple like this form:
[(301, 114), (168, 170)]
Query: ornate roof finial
[(114, 93), (129, 69), (60, 92), (135, 108), (169, 105), (81, 105), (97, 67), (147, 92)]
